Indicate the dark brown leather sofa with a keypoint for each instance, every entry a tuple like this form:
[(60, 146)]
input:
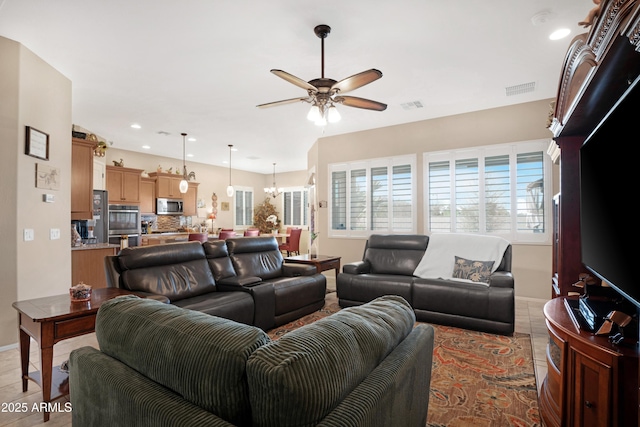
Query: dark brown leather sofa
[(387, 268), (242, 279)]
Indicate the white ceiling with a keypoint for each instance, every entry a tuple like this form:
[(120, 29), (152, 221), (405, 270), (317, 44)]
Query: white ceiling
[(202, 66)]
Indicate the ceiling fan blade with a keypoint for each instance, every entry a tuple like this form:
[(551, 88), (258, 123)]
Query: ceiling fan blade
[(283, 102), (357, 80), (367, 104), (295, 80)]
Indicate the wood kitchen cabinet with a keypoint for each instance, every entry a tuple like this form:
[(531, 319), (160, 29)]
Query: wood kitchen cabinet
[(167, 185), (87, 264), (123, 185), (147, 195), (190, 200), (81, 178)]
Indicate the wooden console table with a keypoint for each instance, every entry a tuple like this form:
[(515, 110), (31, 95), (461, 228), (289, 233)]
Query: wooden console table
[(49, 320), (321, 262), (590, 381)]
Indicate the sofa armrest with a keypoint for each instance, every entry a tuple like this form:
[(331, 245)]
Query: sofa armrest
[(157, 297), (293, 270), (358, 267), (236, 283), (501, 279)]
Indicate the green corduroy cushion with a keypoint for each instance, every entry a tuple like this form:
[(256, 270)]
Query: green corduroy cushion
[(298, 379), (200, 357)]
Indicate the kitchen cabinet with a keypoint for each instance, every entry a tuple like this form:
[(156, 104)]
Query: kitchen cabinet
[(123, 185), (147, 195), (87, 264), (81, 179), (167, 185), (190, 200)]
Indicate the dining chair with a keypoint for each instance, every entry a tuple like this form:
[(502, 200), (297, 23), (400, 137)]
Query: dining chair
[(200, 237), (292, 245), (225, 234), (252, 232)]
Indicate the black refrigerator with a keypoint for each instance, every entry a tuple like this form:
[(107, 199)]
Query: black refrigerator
[(101, 216)]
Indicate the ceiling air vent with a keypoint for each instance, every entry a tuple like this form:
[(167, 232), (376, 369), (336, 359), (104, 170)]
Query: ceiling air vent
[(411, 105), (520, 89)]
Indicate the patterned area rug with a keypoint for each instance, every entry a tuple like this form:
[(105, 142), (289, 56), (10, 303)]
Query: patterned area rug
[(477, 380)]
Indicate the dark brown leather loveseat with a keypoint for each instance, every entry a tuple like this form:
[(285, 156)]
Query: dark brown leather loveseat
[(388, 266), (242, 279)]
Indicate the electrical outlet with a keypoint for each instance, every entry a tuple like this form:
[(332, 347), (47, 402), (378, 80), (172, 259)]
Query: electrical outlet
[(28, 234), (54, 234)]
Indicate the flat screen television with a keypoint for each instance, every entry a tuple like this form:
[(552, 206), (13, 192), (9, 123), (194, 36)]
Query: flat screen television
[(609, 193)]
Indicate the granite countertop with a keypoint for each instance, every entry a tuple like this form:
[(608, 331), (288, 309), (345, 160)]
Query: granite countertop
[(95, 246)]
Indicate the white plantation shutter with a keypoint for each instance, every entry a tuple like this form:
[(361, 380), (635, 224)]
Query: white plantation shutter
[(294, 207), (379, 197), (498, 189), (402, 198), (243, 207), (339, 200), (439, 196)]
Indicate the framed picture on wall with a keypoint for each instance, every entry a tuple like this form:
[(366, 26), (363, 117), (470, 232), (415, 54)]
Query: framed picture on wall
[(37, 143)]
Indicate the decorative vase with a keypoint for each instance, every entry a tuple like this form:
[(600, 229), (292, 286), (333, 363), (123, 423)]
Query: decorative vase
[(313, 249)]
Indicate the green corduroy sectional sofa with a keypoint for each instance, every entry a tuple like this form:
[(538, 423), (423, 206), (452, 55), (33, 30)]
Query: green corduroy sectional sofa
[(162, 365)]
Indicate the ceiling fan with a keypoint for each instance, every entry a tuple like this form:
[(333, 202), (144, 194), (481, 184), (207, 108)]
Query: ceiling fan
[(323, 93)]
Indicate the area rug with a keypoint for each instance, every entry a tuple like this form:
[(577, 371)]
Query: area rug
[(477, 379)]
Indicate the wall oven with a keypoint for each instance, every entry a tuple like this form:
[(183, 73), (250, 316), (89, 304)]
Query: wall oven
[(124, 220)]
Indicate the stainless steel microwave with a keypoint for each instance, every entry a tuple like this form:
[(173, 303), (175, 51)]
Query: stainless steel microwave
[(169, 206)]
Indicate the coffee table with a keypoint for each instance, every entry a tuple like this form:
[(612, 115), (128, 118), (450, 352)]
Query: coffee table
[(321, 262), (49, 320)]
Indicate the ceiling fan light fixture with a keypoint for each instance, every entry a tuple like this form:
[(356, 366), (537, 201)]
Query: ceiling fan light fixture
[(314, 113), (322, 121), (333, 115)]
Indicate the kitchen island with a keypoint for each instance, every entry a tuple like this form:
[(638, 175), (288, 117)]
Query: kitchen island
[(87, 263)]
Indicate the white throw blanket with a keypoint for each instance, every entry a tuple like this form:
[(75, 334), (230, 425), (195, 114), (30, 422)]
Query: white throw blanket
[(439, 258)]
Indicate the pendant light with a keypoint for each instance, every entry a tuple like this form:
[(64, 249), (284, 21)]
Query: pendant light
[(184, 184), (273, 191), (230, 190)]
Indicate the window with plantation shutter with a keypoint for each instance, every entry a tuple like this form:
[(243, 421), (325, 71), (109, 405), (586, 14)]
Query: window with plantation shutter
[(373, 196), (243, 207), (294, 207), (498, 189)]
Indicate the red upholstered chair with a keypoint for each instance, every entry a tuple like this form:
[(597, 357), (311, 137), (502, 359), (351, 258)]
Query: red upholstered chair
[(292, 245), (225, 234), (200, 237), (252, 232)]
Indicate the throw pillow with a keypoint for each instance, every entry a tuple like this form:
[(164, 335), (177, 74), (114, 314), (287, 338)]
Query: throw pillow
[(476, 271)]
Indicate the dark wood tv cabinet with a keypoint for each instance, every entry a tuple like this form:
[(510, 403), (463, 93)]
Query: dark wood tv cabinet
[(590, 381)]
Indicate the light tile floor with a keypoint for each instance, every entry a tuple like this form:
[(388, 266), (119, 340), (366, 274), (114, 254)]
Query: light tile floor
[(530, 320)]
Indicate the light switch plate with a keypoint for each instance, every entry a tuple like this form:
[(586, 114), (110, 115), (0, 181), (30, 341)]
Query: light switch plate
[(28, 234), (54, 234)]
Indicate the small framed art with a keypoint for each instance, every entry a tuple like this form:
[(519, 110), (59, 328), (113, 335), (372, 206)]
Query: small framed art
[(36, 143)]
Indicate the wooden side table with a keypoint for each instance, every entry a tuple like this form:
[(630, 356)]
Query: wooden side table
[(321, 262), (50, 320)]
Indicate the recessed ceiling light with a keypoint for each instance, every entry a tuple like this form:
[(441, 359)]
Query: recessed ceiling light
[(189, 155), (191, 139), (559, 34), (234, 149), (146, 147), (136, 126)]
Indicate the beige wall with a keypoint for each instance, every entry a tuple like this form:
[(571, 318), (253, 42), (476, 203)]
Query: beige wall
[(33, 94), (522, 122)]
